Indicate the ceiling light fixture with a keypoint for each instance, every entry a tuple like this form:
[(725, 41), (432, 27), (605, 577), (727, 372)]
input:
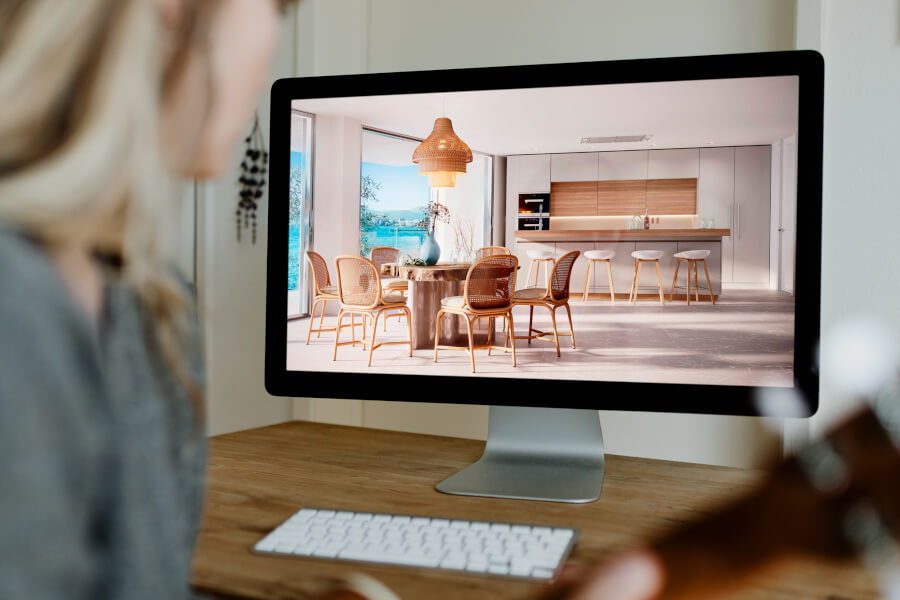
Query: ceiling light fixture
[(442, 155)]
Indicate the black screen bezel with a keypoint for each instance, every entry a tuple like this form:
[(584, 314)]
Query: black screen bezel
[(807, 65)]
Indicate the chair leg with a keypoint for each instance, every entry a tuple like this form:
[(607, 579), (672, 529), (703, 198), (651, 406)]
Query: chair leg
[(662, 296), (512, 336), (612, 290), (312, 317), (471, 342), (374, 329), (408, 328), (322, 317), (675, 279), (530, 321), (437, 334), (555, 332), (490, 334), (708, 284), (337, 333), (528, 277), (571, 328), (587, 280)]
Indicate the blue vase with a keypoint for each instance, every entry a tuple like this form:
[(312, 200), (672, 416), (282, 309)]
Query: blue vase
[(430, 252)]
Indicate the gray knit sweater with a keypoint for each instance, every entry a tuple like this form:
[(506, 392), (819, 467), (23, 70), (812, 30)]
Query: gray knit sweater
[(101, 463)]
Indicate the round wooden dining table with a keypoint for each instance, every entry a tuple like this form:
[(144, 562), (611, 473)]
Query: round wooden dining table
[(428, 285)]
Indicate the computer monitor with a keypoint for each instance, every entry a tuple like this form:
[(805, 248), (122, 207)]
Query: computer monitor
[(656, 229)]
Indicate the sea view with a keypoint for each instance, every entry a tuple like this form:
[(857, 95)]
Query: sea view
[(406, 239)]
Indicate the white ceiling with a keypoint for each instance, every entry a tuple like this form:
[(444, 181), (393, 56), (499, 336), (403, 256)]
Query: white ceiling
[(679, 114)]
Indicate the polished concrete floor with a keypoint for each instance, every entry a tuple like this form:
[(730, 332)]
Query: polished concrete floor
[(746, 339)]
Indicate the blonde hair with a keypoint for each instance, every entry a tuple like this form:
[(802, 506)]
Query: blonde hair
[(80, 159)]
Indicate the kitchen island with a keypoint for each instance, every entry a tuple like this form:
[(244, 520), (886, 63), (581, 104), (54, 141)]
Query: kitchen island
[(623, 242)]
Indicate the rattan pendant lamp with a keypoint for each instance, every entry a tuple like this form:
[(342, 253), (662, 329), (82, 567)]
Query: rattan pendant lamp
[(442, 155)]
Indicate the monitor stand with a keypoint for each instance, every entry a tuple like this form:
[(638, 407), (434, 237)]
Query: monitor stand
[(549, 454)]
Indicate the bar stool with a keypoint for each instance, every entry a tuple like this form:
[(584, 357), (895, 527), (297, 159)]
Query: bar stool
[(541, 257), (599, 256), (692, 257), (640, 257)]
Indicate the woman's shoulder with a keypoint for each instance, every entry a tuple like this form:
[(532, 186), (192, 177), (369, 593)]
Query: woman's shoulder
[(31, 291)]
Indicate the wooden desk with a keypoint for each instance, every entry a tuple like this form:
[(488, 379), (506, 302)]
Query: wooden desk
[(258, 478)]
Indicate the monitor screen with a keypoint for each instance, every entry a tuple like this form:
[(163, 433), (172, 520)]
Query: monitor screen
[(643, 234)]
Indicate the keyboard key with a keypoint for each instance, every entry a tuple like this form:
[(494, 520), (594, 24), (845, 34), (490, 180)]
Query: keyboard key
[(542, 573)]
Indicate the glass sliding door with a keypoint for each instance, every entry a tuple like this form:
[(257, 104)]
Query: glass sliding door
[(393, 198), (299, 213)]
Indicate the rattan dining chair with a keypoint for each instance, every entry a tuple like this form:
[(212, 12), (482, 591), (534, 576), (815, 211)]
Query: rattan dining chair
[(491, 251), (383, 255), (323, 293), (360, 293), (487, 294), (553, 297)]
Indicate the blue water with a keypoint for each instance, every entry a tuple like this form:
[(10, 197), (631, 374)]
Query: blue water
[(406, 239)]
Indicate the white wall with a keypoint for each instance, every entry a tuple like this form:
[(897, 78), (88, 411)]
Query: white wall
[(861, 45), (231, 282), (347, 36)]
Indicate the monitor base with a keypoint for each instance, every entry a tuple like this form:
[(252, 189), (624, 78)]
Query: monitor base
[(547, 454)]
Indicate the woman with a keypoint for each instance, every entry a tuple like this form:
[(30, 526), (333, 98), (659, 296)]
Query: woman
[(101, 438)]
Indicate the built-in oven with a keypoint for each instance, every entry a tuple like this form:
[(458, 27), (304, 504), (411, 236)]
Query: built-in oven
[(534, 212), (534, 223)]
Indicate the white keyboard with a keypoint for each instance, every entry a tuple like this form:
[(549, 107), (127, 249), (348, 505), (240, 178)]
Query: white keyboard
[(472, 546)]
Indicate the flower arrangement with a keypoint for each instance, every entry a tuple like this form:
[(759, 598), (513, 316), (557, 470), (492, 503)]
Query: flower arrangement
[(435, 213)]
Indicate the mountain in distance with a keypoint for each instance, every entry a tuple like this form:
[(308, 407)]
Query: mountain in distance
[(401, 215)]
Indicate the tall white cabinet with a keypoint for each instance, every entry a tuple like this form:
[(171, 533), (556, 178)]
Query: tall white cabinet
[(752, 207)]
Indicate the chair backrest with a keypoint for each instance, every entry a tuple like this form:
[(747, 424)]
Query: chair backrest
[(491, 281), (321, 277), (562, 275), (359, 284), (384, 254), (491, 251)]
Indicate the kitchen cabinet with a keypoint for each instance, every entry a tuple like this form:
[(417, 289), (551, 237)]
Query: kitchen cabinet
[(681, 163), (525, 173), (573, 198), (617, 166), (574, 166), (715, 197), (750, 234)]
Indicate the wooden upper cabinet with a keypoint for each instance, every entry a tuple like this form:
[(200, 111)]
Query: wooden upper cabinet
[(620, 198), (573, 198), (672, 196)]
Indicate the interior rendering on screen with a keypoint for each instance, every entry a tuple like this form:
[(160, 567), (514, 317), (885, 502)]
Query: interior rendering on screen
[(654, 221)]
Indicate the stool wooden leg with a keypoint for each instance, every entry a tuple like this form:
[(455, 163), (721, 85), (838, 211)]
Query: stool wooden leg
[(612, 291), (637, 282), (587, 280), (437, 333), (696, 283), (708, 284), (675, 279), (662, 297), (688, 292), (528, 277)]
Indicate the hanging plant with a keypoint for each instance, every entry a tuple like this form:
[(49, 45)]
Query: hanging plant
[(252, 181)]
